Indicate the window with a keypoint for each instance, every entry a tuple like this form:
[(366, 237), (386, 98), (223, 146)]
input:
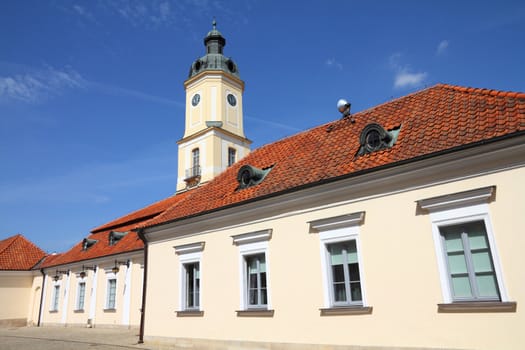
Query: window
[(255, 266), (467, 259), (254, 273), (111, 293), (344, 276), (195, 156), (190, 256), (191, 285), (81, 294), (55, 297), (341, 264), (231, 156)]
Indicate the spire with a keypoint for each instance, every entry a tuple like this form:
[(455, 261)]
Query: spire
[(214, 58), (214, 41)]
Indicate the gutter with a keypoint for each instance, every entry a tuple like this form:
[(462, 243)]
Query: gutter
[(141, 235), (41, 297)]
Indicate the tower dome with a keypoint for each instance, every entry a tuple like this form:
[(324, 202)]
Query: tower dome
[(214, 58)]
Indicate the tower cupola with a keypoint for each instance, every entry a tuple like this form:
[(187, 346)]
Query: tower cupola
[(214, 58)]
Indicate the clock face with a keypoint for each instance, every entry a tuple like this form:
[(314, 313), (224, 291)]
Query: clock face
[(195, 100), (231, 100)]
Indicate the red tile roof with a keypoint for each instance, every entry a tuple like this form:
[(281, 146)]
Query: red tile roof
[(130, 242), (439, 118), (18, 253)]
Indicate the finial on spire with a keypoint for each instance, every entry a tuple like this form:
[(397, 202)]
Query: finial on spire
[(214, 23)]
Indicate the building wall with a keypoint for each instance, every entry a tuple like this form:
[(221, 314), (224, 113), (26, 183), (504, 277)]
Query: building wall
[(15, 293), (96, 312), (399, 270)]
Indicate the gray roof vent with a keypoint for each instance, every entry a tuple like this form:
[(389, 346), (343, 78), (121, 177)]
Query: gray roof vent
[(250, 176), (87, 242), (115, 236)]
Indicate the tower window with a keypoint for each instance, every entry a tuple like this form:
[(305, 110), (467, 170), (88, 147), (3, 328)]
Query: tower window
[(195, 167), (232, 155)]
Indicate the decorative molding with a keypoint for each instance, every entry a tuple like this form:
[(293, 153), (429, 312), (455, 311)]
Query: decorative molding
[(189, 248), (478, 307), (257, 236), (337, 222), (471, 197), (350, 310), (255, 313)]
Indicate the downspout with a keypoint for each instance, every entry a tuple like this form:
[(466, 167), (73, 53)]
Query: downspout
[(141, 235), (41, 296)]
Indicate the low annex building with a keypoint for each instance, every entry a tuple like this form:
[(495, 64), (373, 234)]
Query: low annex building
[(18, 259)]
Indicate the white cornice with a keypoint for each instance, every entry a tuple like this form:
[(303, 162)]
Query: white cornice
[(214, 74), (337, 222), (252, 237), (189, 248), (450, 167), (476, 196)]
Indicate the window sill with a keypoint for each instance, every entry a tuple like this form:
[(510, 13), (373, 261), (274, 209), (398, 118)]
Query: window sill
[(255, 313), (346, 310), (110, 310), (53, 311), (478, 306), (190, 313), (79, 311)]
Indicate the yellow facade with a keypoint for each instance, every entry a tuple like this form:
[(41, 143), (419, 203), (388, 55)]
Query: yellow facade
[(213, 127), (401, 281), (17, 297)]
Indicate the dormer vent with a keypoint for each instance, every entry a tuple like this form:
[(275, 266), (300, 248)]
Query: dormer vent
[(87, 242), (374, 138), (115, 236), (250, 176)]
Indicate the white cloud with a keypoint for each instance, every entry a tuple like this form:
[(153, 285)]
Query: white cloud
[(404, 78), (331, 62), (442, 47), (40, 85)]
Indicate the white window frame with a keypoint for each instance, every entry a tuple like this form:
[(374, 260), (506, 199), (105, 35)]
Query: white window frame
[(111, 276), (339, 229), (189, 254), (455, 209), (77, 300), (55, 297), (250, 244)]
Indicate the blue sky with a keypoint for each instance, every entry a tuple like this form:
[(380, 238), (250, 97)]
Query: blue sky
[(92, 97)]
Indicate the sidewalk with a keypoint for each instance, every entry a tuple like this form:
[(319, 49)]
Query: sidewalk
[(57, 338)]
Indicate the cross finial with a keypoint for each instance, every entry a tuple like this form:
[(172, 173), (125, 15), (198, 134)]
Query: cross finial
[(214, 24)]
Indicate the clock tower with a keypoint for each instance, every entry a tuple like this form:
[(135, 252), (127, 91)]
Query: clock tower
[(214, 135)]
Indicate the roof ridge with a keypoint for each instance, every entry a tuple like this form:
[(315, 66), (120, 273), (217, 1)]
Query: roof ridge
[(13, 239), (483, 91)]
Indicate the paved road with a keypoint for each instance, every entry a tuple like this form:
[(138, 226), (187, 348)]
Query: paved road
[(58, 338)]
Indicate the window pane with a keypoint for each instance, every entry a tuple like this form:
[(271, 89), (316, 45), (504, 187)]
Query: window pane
[(355, 290), (487, 286), (482, 262), (338, 273), (253, 297), (336, 254), (453, 241), (351, 252), (457, 263), (461, 287), (252, 265), (264, 297), (253, 281), (339, 292), (477, 235), (262, 264), (354, 272), (263, 280)]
